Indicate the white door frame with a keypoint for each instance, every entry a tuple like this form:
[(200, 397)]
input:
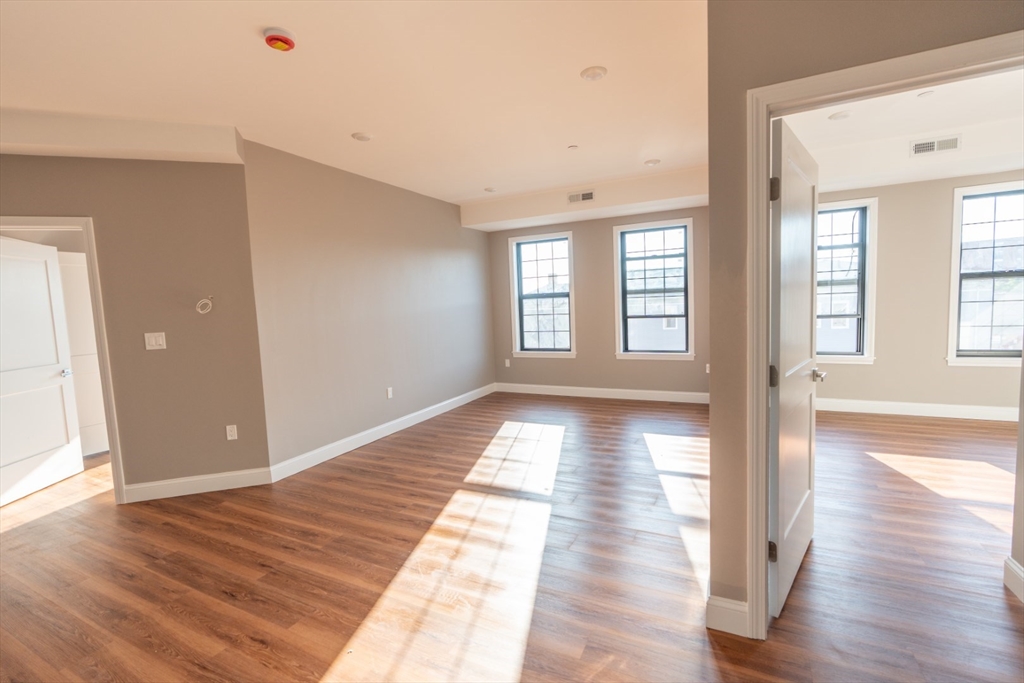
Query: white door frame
[(34, 223), (921, 70)]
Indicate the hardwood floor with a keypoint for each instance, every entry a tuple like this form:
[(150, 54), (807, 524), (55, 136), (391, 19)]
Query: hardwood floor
[(528, 537)]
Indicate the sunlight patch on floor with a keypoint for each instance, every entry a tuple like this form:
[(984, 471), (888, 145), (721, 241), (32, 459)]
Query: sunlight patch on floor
[(63, 494), (982, 489), (460, 607), (680, 454), (683, 467), (522, 456)]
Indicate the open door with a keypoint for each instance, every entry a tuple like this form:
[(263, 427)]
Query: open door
[(39, 441), (793, 372)]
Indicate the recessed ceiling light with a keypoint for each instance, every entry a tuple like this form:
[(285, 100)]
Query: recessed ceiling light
[(840, 115), (593, 73), (926, 93), (652, 162), (490, 189), (362, 137), (572, 148)]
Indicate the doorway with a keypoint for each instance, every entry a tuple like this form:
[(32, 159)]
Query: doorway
[(917, 72), (58, 398)]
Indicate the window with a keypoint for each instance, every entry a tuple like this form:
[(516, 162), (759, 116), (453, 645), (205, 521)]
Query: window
[(653, 311), (845, 269), (987, 298), (541, 269)]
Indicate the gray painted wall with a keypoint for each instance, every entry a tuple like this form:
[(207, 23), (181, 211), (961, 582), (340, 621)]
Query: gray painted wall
[(915, 237), (359, 286), (595, 364), (752, 44), (167, 234)]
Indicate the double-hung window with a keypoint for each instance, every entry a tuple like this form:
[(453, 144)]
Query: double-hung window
[(653, 290), (987, 294), (844, 265), (541, 267)]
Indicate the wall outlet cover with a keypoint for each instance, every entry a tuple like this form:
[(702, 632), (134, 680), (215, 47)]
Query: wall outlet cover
[(232, 432), (155, 341)]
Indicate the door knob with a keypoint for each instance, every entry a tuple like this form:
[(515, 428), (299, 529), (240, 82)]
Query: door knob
[(817, 375), (67, 372)]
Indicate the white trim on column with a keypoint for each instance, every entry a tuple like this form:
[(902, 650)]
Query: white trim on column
[(925, 69), (1013, 577), (202, 483), (849, 405), (727, 615), (597, 392)]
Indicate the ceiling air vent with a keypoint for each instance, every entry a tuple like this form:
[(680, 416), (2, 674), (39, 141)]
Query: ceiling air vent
[(947, 144), (586, 196)]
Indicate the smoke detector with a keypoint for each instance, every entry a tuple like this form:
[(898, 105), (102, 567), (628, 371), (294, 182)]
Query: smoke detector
[(279, 39)]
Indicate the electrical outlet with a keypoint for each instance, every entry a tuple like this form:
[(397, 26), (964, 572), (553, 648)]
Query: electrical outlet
[(155, 341), (508, 363), (391, 394), (707, 368), (232, 431)]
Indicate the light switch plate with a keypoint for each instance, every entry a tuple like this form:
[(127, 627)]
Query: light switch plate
[(155, 341)]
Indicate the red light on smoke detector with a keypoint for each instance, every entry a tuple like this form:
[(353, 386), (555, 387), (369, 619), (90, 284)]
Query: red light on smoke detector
[(279, 39)]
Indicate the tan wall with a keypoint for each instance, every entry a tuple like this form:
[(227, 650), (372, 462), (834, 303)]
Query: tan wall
[(595, 364), (167, 235), (915, 238), (752, 44), (359, 286)]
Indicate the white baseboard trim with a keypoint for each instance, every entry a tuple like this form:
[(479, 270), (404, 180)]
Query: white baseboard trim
[(1013, 577), (596, 392), (846, 405), (203, 483), (727, 615), (332, 450)]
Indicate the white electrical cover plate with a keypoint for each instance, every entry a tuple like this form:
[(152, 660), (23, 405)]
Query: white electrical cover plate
[(155, 341)]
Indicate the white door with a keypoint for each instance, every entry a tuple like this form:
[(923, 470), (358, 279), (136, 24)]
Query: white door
[(791, 411), (39, 443), (92, 421)]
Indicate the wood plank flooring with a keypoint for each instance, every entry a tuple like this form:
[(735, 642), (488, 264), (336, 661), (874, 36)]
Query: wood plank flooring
[(520, 537)]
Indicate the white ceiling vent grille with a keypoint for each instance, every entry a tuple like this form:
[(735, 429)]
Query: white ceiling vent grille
[(947, 144), (585, 196)]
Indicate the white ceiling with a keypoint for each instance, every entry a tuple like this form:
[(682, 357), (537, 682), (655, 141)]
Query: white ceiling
[(458, 95), (872, 146)]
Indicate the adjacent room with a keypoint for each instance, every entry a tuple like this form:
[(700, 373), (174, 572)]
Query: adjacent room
[(511, 341)]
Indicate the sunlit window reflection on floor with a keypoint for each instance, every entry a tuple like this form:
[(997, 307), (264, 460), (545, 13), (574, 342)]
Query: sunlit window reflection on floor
[(460, 607), (523, 456), (981, 488), (59, 496), (681, 454), (683, 466)]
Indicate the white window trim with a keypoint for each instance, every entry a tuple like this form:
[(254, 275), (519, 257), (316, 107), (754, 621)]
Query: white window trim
[(668, 355), (514, 289), (871, 269), (954, 277)]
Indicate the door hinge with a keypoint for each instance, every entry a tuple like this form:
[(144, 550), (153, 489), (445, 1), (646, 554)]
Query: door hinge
[(773, 552), (774, 189), (773, 376)]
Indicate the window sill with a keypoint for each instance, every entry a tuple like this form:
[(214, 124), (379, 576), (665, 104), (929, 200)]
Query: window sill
[(845, 360), (627, 355), (982, 362), (543, 354)]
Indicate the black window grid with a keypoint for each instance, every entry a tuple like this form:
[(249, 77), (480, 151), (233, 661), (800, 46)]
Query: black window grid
[(625, 293), (860, 279), (993, 274), (522, 298)]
